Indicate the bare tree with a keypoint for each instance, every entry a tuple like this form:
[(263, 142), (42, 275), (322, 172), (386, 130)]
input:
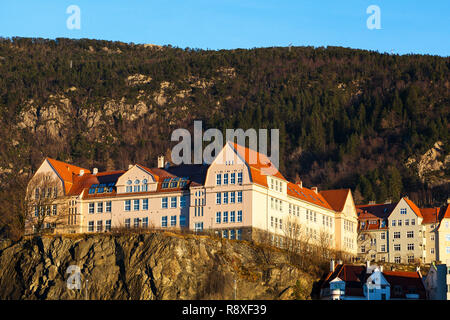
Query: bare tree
[(45, 206)]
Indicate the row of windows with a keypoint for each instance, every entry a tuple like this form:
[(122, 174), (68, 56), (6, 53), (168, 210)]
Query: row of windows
[(231, 176), (276, 204), (276, 185), (223, 217), (275, 224), (232, 234), (137, 188), (410, 246), (173, 221), (409, 234), (399, 222), (98, 227), (45, 192), (348, 226), (399, 259), (45, 210), (348, 242), (173, 202), (232, 197), (295, 210), (101, 207)]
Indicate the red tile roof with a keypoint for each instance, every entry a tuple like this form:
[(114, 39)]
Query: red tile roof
[(430, 215), (66, 172), (336, 198), (306, 194), (409, 282), (413, 207)]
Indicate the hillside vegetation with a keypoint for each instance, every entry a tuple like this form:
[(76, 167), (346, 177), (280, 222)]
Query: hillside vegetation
[(348, 118)]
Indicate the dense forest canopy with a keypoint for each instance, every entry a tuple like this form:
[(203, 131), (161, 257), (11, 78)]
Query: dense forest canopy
[(347, 118)]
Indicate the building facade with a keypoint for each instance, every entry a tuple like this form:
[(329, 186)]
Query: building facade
[(233, 196)]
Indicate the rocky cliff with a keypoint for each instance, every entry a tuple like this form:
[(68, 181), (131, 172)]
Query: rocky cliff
[(147, 266)]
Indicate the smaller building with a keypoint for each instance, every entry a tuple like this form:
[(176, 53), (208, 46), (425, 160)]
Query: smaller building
[(366, 282), (437, 282)]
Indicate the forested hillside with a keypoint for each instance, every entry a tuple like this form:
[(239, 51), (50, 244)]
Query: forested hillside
[(348, 118)]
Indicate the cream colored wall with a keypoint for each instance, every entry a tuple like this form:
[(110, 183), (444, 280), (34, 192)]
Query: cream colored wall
[(430, 232), (132, 174), (443, 244), (373, 249), (341, 233), (419, 241)]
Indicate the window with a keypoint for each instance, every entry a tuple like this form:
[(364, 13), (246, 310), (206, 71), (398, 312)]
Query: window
[(164, 203), (36, 193), (100, 207), (198, 226), (403, 211), (99, 226), (413, 222), (182, 221), (239, 198), (239, 216), (396, 235), (144, 204), (182, 202), (406, 222), (218, 217), (383, 248), (397, 247), (91, 208), (128, 189), (399, 223), (173, 221), (173, 202), (127, 205), (232, 216), (108, 225), (144, 185), (225, 197), (432, 237), (218, 179), (91, 226), (55, 210), (232, 234), (432, 250), (232, 196), (108, 206), (239, 177), (393, 223), (383, 236), (410, 259), (410, 246), (36, 211), (239, 234), (233, 178), (225, 234), (225, 178), (447, 249), (164, 221), (363, 249), (225, 217), (129, 182), (410, 234), (218, 198), (397, 260), (136, 205), (127, 223), (137, 222), (447, 237), (137, 188)]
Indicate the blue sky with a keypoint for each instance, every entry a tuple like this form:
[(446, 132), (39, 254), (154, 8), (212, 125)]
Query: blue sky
[(407, 26)]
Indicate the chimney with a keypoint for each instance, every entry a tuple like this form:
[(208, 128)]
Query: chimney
[(81, 172), (340, 262), (315, 189), (130, 166), (94, 171), (448, 200), (332, 265), (381, 269), (161, 162), (300, 184)]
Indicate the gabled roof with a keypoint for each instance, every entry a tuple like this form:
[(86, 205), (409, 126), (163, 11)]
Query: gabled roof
[(307, 195), (354, 277), (336, 198), (256, 161), (409, 282), (381, 211), (66, 172), (413, 206), (430, 215)]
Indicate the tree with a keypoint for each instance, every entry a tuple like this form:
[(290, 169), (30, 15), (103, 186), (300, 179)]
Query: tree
[(45, 206)]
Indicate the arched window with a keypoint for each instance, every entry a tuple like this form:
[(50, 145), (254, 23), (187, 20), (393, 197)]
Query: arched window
[(129, 182), (136, 181)]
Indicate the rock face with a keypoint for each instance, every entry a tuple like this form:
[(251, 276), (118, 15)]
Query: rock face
[(147, 266), (429, 168)]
